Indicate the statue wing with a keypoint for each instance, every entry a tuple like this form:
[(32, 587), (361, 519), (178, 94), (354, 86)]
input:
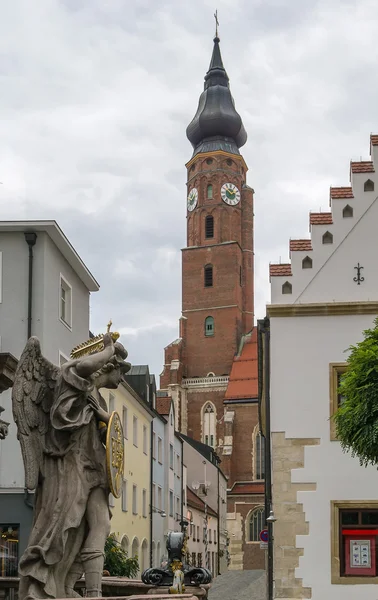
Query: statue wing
[(32, 397)]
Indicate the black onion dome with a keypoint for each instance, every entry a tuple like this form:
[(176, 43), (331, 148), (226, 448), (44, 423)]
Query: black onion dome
[(216, 124)]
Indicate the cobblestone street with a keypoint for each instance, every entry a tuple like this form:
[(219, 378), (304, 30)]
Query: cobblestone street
[(239, 585)]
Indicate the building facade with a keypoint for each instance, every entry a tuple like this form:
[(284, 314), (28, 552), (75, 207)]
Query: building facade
[(44, 291), (210, 371), (325, 503), (159, 490), (131, 514), (198, 515)]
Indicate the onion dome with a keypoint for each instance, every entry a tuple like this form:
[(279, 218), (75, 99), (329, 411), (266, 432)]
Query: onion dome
[(216, 124)]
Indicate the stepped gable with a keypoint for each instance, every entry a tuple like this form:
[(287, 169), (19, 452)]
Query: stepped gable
[(280, 270), (300, 245), (321, 218), (363, 166)]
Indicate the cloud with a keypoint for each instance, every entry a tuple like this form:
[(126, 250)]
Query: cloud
[(96, 97)]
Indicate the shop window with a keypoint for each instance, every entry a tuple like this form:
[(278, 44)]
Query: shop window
[(9, 540), (354, 529), (336, 371)]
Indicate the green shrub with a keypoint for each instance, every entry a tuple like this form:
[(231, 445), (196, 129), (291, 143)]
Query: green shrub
[(357, 418), (116, 560)]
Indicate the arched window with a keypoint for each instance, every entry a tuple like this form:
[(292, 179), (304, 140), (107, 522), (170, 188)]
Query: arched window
[(209, 191), (125, 544), (144, 562), (259, 455), (347, 211), (327, 238), (307, 263), (256, 523), (208, 276), (209, 227), (287, 288), (369, 186), (208, 425), (209, 326), (135, 548)]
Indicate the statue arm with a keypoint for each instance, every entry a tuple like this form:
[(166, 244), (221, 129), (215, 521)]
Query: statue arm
[(90, 364)]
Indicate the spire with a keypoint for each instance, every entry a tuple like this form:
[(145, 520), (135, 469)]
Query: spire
[(216, 124)]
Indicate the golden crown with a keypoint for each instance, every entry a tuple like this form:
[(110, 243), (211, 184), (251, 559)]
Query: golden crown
[(95, 344)]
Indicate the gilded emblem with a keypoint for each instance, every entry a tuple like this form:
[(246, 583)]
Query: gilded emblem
[(115, 454)]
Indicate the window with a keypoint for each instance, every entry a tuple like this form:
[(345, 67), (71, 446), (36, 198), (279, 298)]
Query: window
[(209, 191), (327, 238), (287, 288), (347, 211), (255, 523), (354, 542), (194, 561), (160, 501), (259, 448), (125, 422), (154, 445), (111, 403), (209, 227), (209, 326), (178, 516), (62, 358), (215, 536), (208, 276), (170, 456), (160, 451), (65, 305), (170, 503), (336, 371), (208, 426), (369, 186), (199, 559), (307, 263), (198, 537), (9, 533), (145, 439), (124, 495), (154, 495), (144, 503), (178, 466), (210, 539), (135, 500), (204, 534), (135, 431)]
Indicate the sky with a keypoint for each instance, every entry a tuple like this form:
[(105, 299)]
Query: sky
[(95, 99)]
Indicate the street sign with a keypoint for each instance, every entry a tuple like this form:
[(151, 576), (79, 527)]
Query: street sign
[(264, 536), (263, 545)]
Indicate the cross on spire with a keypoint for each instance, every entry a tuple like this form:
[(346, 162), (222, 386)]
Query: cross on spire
[(216, 23)]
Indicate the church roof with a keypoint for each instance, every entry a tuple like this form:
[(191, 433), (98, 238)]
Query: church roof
[(216, 124), (242, 382)]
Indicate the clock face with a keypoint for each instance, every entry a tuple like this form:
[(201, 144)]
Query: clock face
[(230, 194), (192, 199)]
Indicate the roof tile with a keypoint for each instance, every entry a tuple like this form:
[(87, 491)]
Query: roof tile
[(282, 269), (321, 218), (341, 192), (364, 166), (300, 245)]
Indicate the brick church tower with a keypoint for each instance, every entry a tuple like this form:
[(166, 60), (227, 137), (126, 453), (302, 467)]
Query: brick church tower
[(210, 371)]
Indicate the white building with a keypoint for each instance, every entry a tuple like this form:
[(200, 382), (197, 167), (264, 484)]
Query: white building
[(203, 525), (44, 291), (320, 304)]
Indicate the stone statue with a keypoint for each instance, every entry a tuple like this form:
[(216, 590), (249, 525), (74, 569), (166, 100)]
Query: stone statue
[(61, 420), (3, 426)]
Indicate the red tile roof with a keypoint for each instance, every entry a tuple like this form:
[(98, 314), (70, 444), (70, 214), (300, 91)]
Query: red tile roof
[(196, 502), (364, 166), (282, 269), (163, 405), (242, 382), (247, 487), (341, 192), (300, 245), (374, 139), (321, 218)]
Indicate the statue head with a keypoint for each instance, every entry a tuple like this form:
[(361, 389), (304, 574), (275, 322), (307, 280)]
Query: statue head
[(111, 374)]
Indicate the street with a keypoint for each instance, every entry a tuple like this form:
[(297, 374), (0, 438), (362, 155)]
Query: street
[(239, 585)]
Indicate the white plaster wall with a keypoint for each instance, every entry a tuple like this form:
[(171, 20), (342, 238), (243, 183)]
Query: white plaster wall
[(301, 350)]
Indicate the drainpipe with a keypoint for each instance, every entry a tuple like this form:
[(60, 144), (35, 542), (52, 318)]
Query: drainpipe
[(151, 484), (182, 486), (218, 525), (30, 238)]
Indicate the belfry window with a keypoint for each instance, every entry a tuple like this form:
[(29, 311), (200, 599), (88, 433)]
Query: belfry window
[(208, 425), (209, 326), (208, 276), (209, 191), (209, 227)]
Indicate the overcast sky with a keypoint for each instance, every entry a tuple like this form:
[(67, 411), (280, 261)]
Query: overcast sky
[(95, 99)]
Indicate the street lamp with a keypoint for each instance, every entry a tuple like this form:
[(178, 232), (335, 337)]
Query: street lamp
[(162, 513)]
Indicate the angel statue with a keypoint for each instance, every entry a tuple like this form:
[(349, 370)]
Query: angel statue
[(62, 420)]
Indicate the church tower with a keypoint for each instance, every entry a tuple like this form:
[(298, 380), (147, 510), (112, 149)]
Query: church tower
[(210, 371)]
